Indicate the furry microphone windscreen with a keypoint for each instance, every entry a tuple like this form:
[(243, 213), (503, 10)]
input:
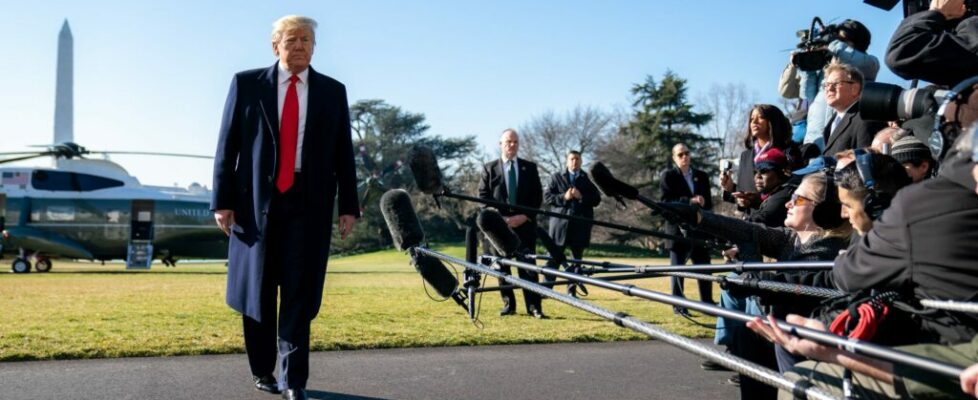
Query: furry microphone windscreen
[(424, 166), (402, 222), (610, 186), (502, 238)]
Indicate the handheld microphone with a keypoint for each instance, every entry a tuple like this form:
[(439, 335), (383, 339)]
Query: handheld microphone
[(406, 231), (424, 166), (502, 238)]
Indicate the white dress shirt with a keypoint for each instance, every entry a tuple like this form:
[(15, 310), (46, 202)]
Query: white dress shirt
[(302, 90)]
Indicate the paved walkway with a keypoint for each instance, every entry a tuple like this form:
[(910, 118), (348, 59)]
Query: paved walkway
[(627, 370)]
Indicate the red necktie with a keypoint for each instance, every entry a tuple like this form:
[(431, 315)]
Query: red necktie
[(288, 136)]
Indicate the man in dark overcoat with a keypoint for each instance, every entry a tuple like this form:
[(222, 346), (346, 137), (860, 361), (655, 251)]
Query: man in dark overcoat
[(571, 192), (685, 184), (283, 155)]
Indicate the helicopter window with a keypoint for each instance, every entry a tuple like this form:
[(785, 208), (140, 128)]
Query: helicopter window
[(71, 181)]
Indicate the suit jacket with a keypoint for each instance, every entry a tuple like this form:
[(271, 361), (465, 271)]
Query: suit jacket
[(565, 232), (529, 193), (674, 188), (245, 169), (853, 132)]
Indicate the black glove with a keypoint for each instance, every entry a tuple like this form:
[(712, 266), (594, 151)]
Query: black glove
[(678, 213)]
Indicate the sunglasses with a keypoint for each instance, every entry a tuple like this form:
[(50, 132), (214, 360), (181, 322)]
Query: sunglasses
[(798, 200), (683, 154)]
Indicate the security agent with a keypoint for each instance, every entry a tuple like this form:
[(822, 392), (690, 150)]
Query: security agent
[(571, 192), (936, 45), (514, 180)]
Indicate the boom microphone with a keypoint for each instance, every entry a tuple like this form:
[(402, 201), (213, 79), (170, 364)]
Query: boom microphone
[(424, 166), (405, 229), (402, 222), (502, 238), (609, 185), (435, 272)]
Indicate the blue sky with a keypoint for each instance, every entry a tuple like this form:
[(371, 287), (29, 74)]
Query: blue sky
[(154, 75)]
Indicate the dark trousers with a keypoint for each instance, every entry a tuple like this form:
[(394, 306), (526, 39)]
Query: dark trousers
[(699, 255), (285, 336), (531, 299), (577, 252)]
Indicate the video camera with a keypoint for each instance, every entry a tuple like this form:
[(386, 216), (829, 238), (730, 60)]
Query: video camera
[(944, 112), (813, 54), (911, 7)]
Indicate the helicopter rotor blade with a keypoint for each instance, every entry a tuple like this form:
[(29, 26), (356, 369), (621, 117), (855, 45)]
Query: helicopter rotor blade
[(151, 153)]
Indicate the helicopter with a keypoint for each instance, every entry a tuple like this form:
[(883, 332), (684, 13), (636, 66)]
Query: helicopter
[(92, 209)]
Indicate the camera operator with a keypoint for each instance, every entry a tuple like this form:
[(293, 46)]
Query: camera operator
[(923, 246), (847, 44), (937, 45)]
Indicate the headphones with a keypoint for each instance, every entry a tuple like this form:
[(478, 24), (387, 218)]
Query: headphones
[(945, 132), (827, 214), (874, 203)]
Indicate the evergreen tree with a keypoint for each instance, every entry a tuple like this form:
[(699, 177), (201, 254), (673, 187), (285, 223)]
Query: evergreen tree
[(661, 119)]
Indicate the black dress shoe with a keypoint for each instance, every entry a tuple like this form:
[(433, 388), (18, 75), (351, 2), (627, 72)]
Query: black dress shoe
[(294, 394), (710, 365), (506, 311), (267, 383)]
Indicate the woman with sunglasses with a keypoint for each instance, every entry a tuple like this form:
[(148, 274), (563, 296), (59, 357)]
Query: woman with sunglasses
[(813, 231)]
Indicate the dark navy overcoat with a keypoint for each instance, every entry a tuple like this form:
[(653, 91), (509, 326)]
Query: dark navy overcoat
[(245, 167)]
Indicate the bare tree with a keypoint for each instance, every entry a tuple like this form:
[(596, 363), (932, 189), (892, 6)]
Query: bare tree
[(548, 137), (730, 105)]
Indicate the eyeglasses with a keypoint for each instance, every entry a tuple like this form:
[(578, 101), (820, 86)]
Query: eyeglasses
[(798, 200), (683, 154), (834, 85)]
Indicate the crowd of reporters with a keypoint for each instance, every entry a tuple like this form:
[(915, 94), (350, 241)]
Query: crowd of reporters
[(898, 217)]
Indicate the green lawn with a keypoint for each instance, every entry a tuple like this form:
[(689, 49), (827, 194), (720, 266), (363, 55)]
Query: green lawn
[(376, 300)]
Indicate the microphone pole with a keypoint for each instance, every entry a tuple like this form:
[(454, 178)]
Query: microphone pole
[(514, 207), (610, 267), (472, 277), (826, 338), (753, 283), (750, 369)]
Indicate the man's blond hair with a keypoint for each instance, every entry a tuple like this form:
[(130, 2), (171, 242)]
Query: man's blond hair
[(290, 22)]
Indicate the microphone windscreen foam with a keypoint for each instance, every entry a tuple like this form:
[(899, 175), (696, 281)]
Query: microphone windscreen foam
[(424, 166), (502, 238), (437, 275), (402, 221), (610, 186)]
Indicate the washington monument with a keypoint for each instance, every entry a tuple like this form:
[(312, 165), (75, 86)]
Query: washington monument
[(64, 92)]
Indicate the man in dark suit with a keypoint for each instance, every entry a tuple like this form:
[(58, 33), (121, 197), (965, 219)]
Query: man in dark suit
[(688, 185), (283, 154), (516, 181), (843, 87), (571, 192)]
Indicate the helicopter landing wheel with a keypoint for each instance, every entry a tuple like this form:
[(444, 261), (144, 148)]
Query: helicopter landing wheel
[(20, 266), (42, 265)]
